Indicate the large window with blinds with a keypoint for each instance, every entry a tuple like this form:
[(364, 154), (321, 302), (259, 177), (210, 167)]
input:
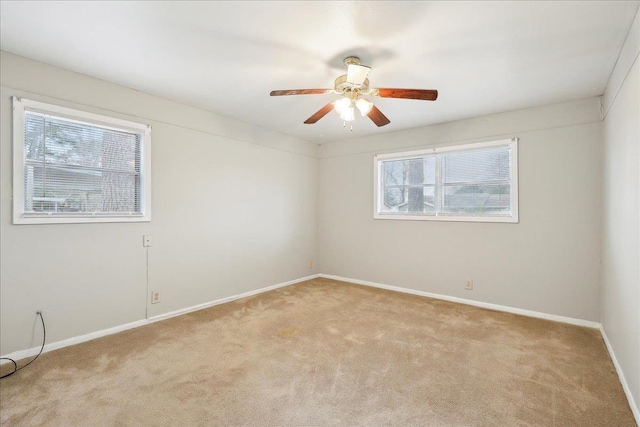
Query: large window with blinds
[(72, 166), (471, 182)]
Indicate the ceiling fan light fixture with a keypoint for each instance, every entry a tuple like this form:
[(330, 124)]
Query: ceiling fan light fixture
[(364, 105), (348, 116), (344, 107)]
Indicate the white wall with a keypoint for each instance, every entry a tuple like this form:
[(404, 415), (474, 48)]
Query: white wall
[(621, 238), (234, 209), (549, 262)]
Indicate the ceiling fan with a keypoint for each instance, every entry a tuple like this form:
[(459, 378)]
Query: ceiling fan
[(352, 86)]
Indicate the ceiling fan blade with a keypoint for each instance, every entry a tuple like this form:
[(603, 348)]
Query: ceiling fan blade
[(319, 114), (357, 74), (377, 117), (422, 94), (300, 92)]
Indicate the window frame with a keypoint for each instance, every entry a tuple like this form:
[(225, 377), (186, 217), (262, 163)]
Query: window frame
[(378, 160), (19, 107)]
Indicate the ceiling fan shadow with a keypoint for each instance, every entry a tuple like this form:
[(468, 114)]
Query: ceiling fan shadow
[(369, 56)]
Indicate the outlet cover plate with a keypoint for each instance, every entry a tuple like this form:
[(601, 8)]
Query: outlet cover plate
[(155, 297)]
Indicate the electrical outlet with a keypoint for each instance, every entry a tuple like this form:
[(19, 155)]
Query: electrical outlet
[(468, 284), (155, 297), (310, 264), (146, 240)]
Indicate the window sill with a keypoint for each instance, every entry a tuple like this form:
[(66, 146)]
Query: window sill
[(76, 219), (450, 218)]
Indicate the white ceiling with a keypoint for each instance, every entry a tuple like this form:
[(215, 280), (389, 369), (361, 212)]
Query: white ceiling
[(483, 57)]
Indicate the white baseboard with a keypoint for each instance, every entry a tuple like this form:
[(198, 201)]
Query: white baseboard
[(623, 380), (497, 307), (21, 354), (229, 299)]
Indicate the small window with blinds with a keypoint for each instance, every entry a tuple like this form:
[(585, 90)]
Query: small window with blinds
[(72, 166), (471, 182)]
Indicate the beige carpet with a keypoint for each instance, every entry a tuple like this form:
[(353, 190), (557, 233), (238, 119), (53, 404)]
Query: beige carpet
[(327, 353)]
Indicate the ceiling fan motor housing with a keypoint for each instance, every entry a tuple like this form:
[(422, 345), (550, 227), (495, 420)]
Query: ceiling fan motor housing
[(341, 85)]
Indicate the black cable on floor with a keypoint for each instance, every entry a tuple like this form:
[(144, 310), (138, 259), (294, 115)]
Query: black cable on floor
[(15, 365)]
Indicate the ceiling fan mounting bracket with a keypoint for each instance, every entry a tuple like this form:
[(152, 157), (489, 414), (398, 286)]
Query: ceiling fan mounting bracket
[(351, 60)]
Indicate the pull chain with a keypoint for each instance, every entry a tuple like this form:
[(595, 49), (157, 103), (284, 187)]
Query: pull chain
[(344, 125)]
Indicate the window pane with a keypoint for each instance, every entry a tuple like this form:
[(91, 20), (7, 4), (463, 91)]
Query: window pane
[(418, 171), (79, 144), (79, 167), (394, 173), (488, 199), (33, 137), (418, 200), (394, 199), (482, 165), (61, 189)]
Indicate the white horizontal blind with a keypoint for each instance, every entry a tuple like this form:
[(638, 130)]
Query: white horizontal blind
[(74, 168), (476, 182)]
